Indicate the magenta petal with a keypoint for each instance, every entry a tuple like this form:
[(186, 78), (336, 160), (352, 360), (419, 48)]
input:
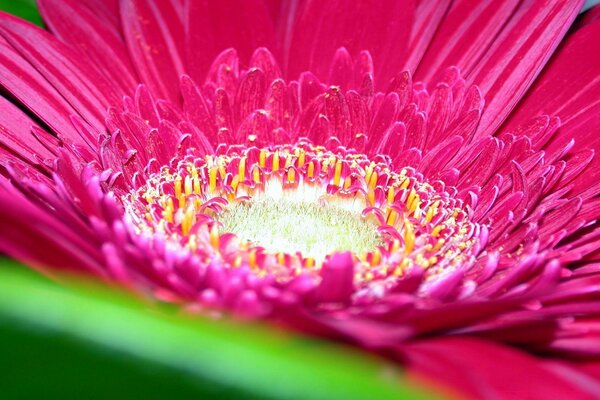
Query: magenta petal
[(337, 277), (525, 45), (480, 369), (105, 10), (569, 87), (464, 36), (16, 135), (72, 76), (213, 26), (154, 36), (22, 81), (382, 28), (428, 16), (77, 26)]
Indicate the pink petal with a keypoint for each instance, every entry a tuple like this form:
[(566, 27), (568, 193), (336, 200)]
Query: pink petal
[(428, 16), (15, 134), (213, 26), (480, 369), (464, 36), (82, 29), (383, 28), (105, 10), (523, 48), (72, 76), (569, 88), (154, 36), (29, 88)]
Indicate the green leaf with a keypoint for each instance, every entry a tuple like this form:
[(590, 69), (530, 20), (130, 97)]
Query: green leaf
[(25, 9), (82, 340)]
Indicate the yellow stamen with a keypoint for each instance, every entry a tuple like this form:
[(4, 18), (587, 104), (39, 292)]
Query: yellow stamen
[(409, 237), (262, 159), (214, 237), (242, 169), (178, 186), (337, 173), (256, 174), (436, 231), (391, 195), (275, 161), (301, 158), (291, 175), (212, 179)]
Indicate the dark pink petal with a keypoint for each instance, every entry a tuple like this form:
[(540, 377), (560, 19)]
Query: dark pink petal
[(154, 36), (337, 277), (15, 134), (106, 10), (569, 88), (72, 76), (29, 88), (383, 28), (82, 29), (480, 369), (21, 239), (518, 55), (464, 36), (428, 16), (213, 26)]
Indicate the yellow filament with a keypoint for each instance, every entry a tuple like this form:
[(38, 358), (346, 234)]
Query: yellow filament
[(188, 221), (301, 158), (373, 180), (391, 195), (405, 183), (256, 174), (311, 169), (371, 197), (262, 159), (409, 237), (275, 161), (178, 186), (291, 175), (168, 211), (214, 237), (242, 169), (212, 179), (376, 257), (347, 183), (436, 231), (391, 219), (252, 258), (338, 173)]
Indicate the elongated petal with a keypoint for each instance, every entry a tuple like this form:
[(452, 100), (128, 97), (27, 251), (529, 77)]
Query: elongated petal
[(75, 25), (465, 35), (484, 370), (213, 26), (383, 28), (154, 36), (570, 89), (511, 65)]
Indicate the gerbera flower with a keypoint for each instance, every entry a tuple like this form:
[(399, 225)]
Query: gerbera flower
[(414, 177)]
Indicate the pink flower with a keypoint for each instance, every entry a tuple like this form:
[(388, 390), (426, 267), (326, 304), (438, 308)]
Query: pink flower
[(417, 178)]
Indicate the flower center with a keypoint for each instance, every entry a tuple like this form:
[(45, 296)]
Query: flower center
[(301, 221), (283, 210)]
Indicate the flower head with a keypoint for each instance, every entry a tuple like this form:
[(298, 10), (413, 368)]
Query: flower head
[(384, 174)]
